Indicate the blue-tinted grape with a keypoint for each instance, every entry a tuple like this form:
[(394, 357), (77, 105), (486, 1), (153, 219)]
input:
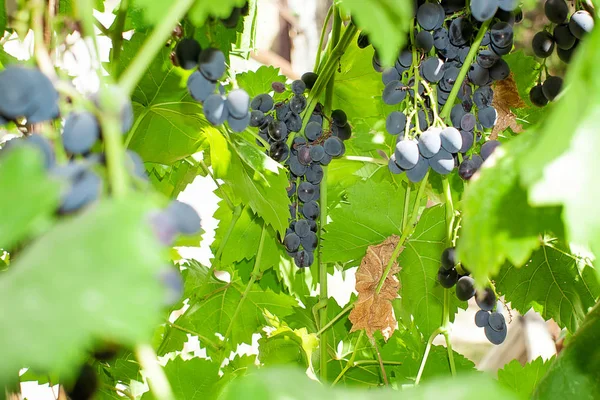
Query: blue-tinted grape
[(279, 151), (282, 111), (339, 117), (238, 102), (432, 69), (377, 64), (552, 87), (481, 318), (262, 102), (314, 174), (313, 131), (256, 118), (187, 53), (326, 159), (467, 122), (465, 288), (303, 259), (294, 122), (310, 241), (424, 41), (430, 142), (17, 84), (542, 44), (456, 114), (393, 167), (215, 109), (86, 187), (581, 23), (200, 87), (430, 16), (486, 300), (537, 97), (463, 52), (389, 75), (448, 258), (563, 37), (483, 10), (291, 189), (451, 139), (186, 218), (278, 130), (450, 77), (333, 146), (501, 34), (343, 132), (310, 210), (212, 64), (407, 154), (304, 156), (317, 152), (239, 125), (488, 117), (44, 146), (487, 58), (296, 167), (450, 52), (501, 51), (447, 278), (495, 337), (478, 75), (440, 38), (483, 96), (497, 322), (405, 58), (81, 132), (309, 79), (298, 87), (467, 140), (395, 122), (508, 5), (500, 70), (302, 228), (418, 172), (173, 282), (298, 104), (291, 242), (460, 31), (467, 169), (306, 191), (135, 164), (488, 148), (556, 11), (393, 93), (442, 162)]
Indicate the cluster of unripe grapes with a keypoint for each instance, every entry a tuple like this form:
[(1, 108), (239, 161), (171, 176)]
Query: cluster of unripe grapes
[(210, 66), (322, 140), (449, 276), (563, 34), (431, 65)]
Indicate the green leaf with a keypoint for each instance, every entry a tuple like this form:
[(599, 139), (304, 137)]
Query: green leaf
[(292, 384), (202, 9), (523, 379), (92, 277), (576, 372), (169, 124), (194, 379), (172, 180), (29, 196), (421, 294), (282, 347), (525, 70), (498, 223), (66, 7), (244, 237), (214, 314), (357, 84), (386, 21), (372, 213), (259, 81), (257, 180), (553, 284)]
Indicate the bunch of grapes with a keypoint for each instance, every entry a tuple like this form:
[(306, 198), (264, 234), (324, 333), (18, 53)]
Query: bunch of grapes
[(431, 66), (563, 34), (304, 159), (210, 66), (448, 277)]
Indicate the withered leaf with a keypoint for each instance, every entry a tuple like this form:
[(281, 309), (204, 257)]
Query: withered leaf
[(506, 98), (373, 312)]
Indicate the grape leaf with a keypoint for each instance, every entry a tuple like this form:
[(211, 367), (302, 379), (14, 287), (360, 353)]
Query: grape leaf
[(243, 239), (286, 346), (372, 213), (171, 180), (84, 280), (421, 294), (525, 71), (553, 284), (259, 181), (193, 379), (169, 124), (293, 384), (576, 372), (66, 7), (386, 21), (214, 314), (523, 379), (22, 178), (498, 223), (259, 81), (202, 9), (356, 75)]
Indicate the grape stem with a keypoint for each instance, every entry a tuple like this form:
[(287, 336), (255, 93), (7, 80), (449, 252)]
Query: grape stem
[(253, 276), (152, 45), (405, 233), (157, 380), (350, 362), (450, 216), (329, 324), (322, 38), (116, 35), (380, 361), (204, 339), (426, 355), (370, 160), (464, 70)]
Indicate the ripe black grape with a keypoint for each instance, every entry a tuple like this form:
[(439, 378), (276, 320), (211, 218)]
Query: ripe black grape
[(467, 169), (482, 318), (488, 148), (200, 87), (447, 278), (430, 143), (495, 337), (542, 44), (442, 162), (449, 258), (86, 384), (552, 86), (393, 93), (497, 322), (488, 116), (186, 218), (291, 242), (563, 37), (339, 117), (418, 172), (407, 154), (333, 146), (556, 11), (298, 87), (483, 10), (279, 151), (212, 64), (187, 53), (581, 23), (309, 79), (486, 300), (537, 97), (465, 288), (238, 102), (430, 16), (310, 210)]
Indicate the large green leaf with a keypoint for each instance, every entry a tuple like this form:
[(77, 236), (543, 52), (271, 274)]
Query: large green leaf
[(553, 284), (292, 384), (259, 81), (169, 124), (94, 276), (386, 21), (255, 178), (171, 180), (420, 292), (202, 9), (523, 379), (29, 196), (576, 372), (498, 222), (372, 213)]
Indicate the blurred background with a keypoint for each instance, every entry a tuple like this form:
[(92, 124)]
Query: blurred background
[(287, 37)]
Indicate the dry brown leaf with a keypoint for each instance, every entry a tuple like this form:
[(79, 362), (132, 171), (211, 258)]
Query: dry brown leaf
[(506, 97), (373, 312)]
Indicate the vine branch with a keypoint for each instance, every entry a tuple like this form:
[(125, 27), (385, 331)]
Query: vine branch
[(157, 380)]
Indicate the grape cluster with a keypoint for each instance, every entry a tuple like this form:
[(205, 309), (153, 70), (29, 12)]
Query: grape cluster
[(448, 277), (305, 158), (210, 66), (563, 34), (431, 66)]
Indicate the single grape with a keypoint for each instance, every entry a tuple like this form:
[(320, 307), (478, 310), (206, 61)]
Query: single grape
[(566, 55), (306, 192), (461, 30), (309, 79), (467, 141), (447, 278), (552, 87), (200, 87), (215, 109), (185, 216), (86, 188), (393, 167), (44, 146), (343, 132), (310, 210), (563, 37), (187, 53), (256, 118), (456, 114), (317, 152), (500, 70), (333, 146), (481, 318), (467, 169), (212, 64), (488, 117), (390, 74), (430, 142), (298, 104), (467, 122), (418, 172), (495, 337), (81, 132), (483, 10), (304, 155), (424, 41), (542, 44), (302, 228), (497, 322), (295, 167), (238, 103), (465, 288), (262, 102), (363, 40), (501, 51), (537, 97), (430, 16), (432, 69), (303, 259), (135, 164), (407, 154), (556, 11), (508, 5), (279, 151), (313, 131), (501, 34), (449, 258), (440, 38), (450, 77), (394, 93), (486, 300), (339, 117), (298, 87), (488, 148), (581, 23), (291, 242), (278, 130), (478, 75), (442, 162), (314, 174), (483, 96), (278, 87), (487, 58), (310, 241)]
